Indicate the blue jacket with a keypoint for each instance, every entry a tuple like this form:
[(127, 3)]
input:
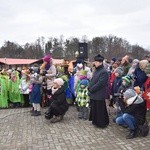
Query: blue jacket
[(35, 96), (116, 84), (70, 93), (140, 77)]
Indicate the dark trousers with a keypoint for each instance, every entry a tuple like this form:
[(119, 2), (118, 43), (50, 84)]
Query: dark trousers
[(83, 112), (98, 113), (26, 100)]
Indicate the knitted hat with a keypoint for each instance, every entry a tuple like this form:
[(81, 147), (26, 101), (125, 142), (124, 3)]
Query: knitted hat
[(60, 69), (80, 65), (47, 58), (9, 71), (127, 79), (113, 59), (143, 64), (119, 70), (59, 81), (84, 82), (64, 77), (129, 93), (19, 68), (147, 69), (136, 61), (99, 58), (83, 72)]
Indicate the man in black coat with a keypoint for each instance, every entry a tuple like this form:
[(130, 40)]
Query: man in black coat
[(97, 90)]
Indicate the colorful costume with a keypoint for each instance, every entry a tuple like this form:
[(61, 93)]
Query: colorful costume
[(3, 91), (14, 92)]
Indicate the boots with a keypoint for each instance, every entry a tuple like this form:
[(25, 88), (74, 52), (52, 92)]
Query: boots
[(36, 113), (33, 112), (57, 119), (132, 134), (48, 116)]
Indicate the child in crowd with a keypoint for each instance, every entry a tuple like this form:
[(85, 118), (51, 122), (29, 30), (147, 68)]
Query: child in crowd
[(82, 100), (116, 84), (119, 105), (59, 105), (24, 87), (35, 96), (82, 74)]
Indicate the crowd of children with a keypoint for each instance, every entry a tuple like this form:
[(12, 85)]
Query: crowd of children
[(57, 88)]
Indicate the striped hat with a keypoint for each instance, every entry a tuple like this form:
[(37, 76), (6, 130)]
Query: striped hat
[(127, 79)]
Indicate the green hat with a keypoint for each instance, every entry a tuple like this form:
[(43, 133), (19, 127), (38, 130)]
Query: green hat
[(65, 78), (127, 79), (60, 69), (147, 69), (83, 72)]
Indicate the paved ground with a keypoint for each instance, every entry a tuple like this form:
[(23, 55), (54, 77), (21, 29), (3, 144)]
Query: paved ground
[(21, 131)]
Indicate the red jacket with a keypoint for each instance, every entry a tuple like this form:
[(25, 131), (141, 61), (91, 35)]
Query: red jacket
[(146, 94)]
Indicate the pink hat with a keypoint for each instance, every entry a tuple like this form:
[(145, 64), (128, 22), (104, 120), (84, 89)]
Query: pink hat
[(47, 58)]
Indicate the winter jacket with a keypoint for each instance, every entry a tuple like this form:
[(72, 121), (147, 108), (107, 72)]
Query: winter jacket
[(98, 84), (24, 86), (146, 92), (82, 98), (140, 77), (136, 109), (116, 85), (58, 101), (35, 95), (51, 75)]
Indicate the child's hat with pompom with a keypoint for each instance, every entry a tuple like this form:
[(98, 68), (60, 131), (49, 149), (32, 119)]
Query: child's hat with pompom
[(127, 79), (83, 72), (84, 82)]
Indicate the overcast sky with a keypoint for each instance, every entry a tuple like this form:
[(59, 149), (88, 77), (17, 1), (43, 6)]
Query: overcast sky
[(24, 21)]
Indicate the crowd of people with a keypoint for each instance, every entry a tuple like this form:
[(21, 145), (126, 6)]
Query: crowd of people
[(124, 83)]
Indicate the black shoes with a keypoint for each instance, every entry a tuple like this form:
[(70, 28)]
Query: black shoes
[(132, 134), (36, 113), (48, 116)]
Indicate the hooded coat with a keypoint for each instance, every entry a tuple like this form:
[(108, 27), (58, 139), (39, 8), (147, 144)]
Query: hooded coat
[(136, 107), (140, 77), (58, 102)]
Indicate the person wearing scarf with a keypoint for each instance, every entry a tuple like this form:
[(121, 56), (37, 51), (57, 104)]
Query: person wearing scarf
[(59, 105)]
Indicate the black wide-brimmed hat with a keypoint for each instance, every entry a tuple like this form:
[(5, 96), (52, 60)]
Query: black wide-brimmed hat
[(99, 58)]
